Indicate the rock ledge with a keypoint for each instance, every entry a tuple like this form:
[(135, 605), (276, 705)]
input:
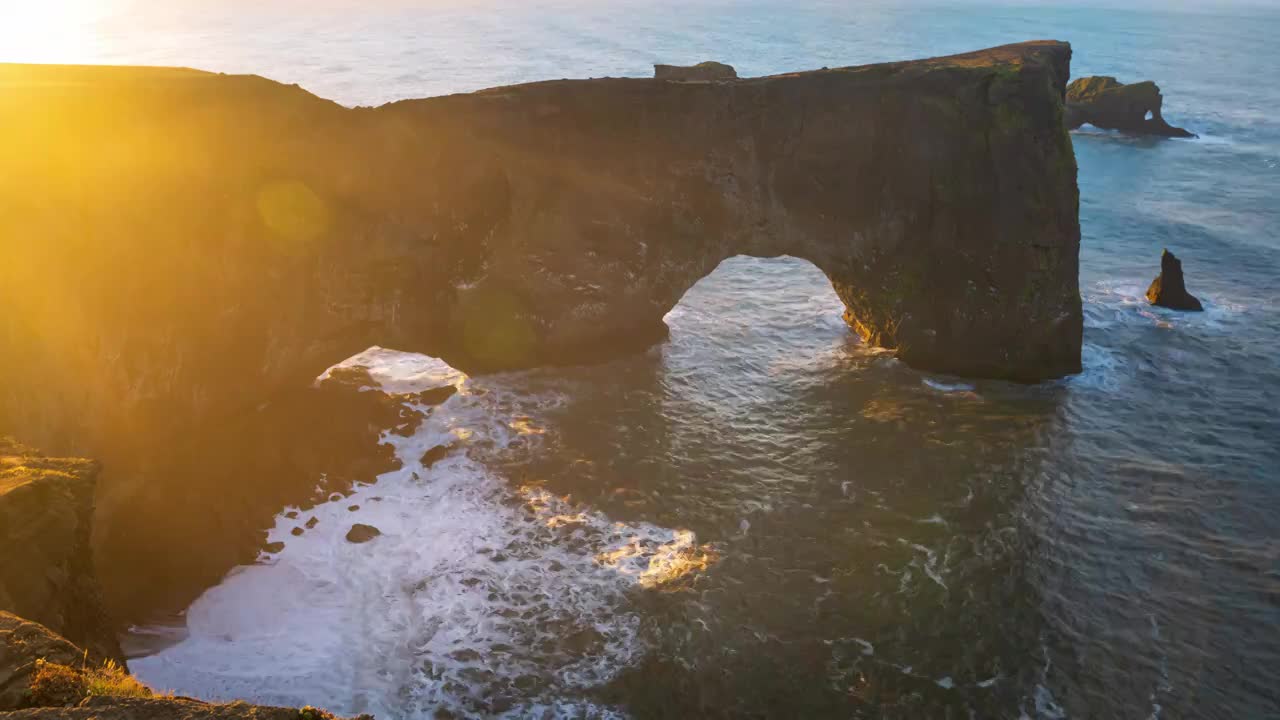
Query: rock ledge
[(704, 71)]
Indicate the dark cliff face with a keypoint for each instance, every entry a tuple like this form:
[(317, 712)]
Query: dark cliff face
[(177, 246), (46, 563), (1106, 103)]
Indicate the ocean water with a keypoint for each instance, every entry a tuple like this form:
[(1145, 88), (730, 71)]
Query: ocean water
[(761, 516)]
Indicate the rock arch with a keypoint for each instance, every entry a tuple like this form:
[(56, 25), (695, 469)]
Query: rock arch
[(938, 196), (177, 243)]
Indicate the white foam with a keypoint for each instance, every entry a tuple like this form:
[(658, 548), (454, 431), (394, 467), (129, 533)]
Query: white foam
[(1102, 369), (401, 372), (473, 591), (958, 387)]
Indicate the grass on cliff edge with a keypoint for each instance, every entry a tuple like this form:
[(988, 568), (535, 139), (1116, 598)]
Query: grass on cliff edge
[(56, 685)]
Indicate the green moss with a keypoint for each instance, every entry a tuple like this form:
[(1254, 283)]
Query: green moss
[(1010, 119)]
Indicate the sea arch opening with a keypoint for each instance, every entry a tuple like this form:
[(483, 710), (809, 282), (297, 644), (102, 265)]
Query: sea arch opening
[(755, 318)]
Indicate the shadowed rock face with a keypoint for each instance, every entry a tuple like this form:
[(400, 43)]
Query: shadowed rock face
[(46, 562), (175, 246), (1106, 103)]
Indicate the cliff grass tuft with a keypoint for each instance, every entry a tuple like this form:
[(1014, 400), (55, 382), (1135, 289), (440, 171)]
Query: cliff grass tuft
[(55, 685), (112, 680)]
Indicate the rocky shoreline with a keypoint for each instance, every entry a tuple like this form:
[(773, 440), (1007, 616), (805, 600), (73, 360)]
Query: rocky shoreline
[(69, 664)]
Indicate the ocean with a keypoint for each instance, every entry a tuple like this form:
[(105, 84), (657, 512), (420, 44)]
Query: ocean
[(761, 517)]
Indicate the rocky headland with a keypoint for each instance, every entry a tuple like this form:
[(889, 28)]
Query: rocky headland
[(1107, 103), (191, 250)]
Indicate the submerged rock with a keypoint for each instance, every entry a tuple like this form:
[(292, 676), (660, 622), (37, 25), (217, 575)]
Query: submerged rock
[(435, 396), (361, 533), (703, 71), (1169, 289), (1107, 103), (436, 454)]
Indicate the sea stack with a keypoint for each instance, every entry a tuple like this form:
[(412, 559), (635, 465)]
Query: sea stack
[(1109, 104), (1168, 289)]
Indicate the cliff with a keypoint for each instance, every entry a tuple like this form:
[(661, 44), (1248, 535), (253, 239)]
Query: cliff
[(46, 517), (177, 247)]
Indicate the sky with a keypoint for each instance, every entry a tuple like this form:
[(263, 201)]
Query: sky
[(72, 30)]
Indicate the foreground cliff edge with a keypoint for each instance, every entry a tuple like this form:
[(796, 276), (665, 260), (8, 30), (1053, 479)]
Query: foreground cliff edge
[(176, 246), (45, 677), (49, 597)]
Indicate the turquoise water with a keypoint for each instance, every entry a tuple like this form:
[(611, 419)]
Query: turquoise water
[(881, 542)]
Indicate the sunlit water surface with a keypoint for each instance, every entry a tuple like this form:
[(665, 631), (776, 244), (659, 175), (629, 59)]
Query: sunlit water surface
[(761, 516)]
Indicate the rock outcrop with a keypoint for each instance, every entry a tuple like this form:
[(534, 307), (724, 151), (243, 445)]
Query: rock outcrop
[(46, 561), (182, 247), (1169, 289), (702, 72), (1106, 103), (22, 643)]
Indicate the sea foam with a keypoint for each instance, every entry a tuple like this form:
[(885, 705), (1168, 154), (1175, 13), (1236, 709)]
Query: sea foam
[(478, 597)]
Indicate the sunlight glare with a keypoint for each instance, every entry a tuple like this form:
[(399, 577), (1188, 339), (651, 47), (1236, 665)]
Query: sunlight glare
[(40, 31)]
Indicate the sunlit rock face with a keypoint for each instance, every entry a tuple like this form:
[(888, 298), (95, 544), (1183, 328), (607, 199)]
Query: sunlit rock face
[(175, 245)]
